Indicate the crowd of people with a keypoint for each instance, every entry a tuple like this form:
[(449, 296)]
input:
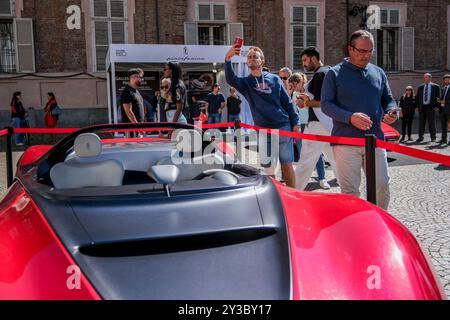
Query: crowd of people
[(350, 99)]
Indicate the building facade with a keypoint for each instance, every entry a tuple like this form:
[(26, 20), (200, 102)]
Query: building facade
[(61, 45)]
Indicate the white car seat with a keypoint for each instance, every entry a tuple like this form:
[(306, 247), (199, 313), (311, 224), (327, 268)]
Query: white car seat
[(189, 171), (73, 174)]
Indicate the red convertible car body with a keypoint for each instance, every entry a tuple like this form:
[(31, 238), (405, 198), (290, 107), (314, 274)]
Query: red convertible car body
[(226, 233)]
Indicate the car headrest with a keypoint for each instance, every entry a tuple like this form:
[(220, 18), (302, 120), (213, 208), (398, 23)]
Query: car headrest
[(87, 145)]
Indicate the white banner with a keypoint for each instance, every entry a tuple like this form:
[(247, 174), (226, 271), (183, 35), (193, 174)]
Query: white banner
[(149, 53)]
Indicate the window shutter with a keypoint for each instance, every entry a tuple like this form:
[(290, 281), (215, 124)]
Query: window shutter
[(407, 40), (100, 8), (5, 7), (235, 30), (219, 12), (298, 14), (24, 43), (190, 33), (117, 9), (311, 15), (204, 12), (374, 59), (117, 32)]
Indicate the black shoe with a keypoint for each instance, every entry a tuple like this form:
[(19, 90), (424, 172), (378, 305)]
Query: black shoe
[(442, 142), (402, 139), (419, 140), (410, 139), (433, 139)]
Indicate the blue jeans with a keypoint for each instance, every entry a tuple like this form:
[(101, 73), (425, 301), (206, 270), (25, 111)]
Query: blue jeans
[(284, 150), (18, 137), (214, 118), (320, 165), (233, 117)]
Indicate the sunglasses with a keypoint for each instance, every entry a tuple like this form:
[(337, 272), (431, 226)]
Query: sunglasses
[(284, 78), (164, 87)]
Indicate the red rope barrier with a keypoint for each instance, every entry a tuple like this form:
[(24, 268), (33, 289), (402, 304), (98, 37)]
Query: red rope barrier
[(139, 130), (45, 130), (216, 125), (416, 153), (360, 142), (125, 140), (421, 154)]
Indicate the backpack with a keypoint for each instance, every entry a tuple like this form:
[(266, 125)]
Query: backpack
[(56, 111)]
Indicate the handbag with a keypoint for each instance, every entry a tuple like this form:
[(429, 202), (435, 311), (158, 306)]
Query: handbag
[(56, 111)]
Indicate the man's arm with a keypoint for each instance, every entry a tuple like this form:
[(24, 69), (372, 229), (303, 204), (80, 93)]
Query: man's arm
[(223, 102), (230, 76), (328, 100), (129, 112), (315, 89), (437, 89), (387, 100)]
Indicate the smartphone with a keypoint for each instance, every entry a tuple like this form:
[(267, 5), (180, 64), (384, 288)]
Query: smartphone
[(395, 111), (239, 42)]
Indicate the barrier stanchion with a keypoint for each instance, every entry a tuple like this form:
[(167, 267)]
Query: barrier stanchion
[(238, 139), (9, 157), (237, 124), (371, 184)]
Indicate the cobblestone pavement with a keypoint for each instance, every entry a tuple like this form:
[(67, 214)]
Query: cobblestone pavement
[(420, 199)]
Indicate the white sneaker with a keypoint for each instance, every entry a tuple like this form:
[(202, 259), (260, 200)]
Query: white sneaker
[(324, 184)]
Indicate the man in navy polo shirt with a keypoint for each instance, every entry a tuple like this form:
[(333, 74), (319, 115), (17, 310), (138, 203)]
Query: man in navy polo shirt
[(356, 95)]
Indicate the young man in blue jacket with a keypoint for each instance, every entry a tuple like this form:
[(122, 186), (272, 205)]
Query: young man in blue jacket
[(270, 105)]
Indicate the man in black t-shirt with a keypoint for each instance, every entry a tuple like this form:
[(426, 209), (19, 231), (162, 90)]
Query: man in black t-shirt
[(318, 123), (233, 106), (216, 103), (131, 100)]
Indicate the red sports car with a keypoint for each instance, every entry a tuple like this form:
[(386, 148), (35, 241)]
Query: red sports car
[(100, 217)]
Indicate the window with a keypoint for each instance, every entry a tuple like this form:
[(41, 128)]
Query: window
[(305, 27), (7, 47), (211, 12), (110, 26), (388, 48), (6, 8), (390, 17), (394, 42), (16, 46), (211, 35), (211, 27)]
